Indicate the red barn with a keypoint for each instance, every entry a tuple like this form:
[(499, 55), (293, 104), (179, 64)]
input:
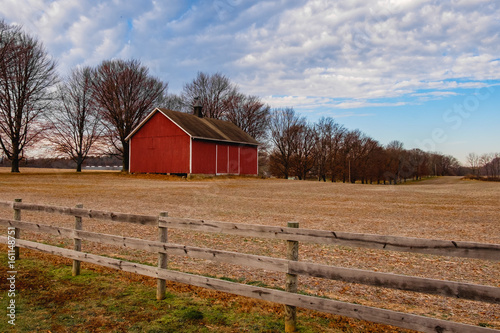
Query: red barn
[(180, 143)]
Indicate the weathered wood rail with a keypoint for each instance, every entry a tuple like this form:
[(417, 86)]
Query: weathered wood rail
[(290, 266)]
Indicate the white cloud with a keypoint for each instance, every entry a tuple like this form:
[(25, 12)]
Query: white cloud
[(76, 32), (311, 103), (349, 50), (331, 50)]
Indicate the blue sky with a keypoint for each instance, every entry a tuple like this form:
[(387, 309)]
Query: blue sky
[(426, 73)]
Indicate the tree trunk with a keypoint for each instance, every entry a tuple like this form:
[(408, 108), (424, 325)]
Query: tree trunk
[(79, 162), (15, 164), (15, 157), (125, 162)]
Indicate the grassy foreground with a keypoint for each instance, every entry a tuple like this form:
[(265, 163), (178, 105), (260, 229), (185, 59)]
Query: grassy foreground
[(50, 299)]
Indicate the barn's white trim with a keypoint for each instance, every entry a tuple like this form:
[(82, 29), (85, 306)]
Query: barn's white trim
[(129, 155), (191, 155)]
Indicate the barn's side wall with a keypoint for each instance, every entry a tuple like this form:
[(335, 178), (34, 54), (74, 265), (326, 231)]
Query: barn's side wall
[(211, 157), (160, 146)]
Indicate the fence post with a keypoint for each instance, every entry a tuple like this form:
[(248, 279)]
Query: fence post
[(17, 231), (292, 253), (162, 259), (77, 243)]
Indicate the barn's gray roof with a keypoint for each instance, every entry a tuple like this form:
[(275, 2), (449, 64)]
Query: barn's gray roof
[(203, 128)]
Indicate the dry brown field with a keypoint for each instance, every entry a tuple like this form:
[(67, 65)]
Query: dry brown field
[(439, 208)]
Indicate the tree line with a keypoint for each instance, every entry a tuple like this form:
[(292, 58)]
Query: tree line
[(92, 110), (487, 165), (327, 150)]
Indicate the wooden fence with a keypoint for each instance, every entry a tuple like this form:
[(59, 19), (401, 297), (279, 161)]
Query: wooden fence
[(290, 266)]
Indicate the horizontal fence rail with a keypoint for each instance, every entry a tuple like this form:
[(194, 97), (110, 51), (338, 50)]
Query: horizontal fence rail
[(292, 268), (362, 312), (394, 243), (386, 280), (82, 212)]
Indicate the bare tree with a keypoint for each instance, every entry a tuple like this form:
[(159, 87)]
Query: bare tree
[(221, 99), (335, 167), (394, 161), (75, 124), (27, 74), (285, 127), (248, 113), (369, 147), (212, 91), (303, 157), (173, 102), (375, 168), (324, 130), (486, 165), (418, 162), (349, 154), (496, 164), (473, 162), (450, 166), (125, 93)]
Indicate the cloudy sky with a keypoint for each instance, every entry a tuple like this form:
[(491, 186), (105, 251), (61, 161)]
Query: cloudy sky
[(426, 73)]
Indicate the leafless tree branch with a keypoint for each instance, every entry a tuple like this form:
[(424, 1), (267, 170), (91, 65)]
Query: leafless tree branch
[(75, 124), (125, 94), (27, 76)]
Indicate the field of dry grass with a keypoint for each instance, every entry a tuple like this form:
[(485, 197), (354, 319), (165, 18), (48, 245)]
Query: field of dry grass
[(441, 208)]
